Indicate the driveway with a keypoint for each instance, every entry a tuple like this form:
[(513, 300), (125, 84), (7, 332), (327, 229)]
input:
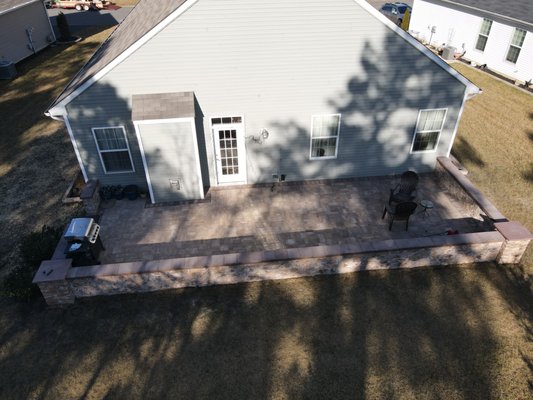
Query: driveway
[(82, 19)]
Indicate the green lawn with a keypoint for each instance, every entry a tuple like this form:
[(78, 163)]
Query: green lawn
[(447, 333)]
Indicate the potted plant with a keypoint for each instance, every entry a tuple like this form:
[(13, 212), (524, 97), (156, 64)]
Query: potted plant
[(131, 192)]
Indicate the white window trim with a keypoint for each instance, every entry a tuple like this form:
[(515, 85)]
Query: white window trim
[(211, 129), (114, 150), (481, 34), (417, 131), (512, 45), (324, 137)]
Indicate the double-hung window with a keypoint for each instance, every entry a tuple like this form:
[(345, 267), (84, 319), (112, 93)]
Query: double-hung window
[(516, 45), (428, 129), (483, 34), (113, 149), (325, 136)]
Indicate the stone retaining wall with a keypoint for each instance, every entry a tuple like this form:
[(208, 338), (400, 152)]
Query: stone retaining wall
[(62, 284), (141, 279)]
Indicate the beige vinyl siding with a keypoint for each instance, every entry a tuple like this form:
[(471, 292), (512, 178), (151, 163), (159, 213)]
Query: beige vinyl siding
[(13, 38), (278, 63)]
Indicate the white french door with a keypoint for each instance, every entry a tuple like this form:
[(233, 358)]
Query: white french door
[(230, 153)]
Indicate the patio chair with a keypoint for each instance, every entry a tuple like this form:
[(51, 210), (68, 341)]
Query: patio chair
[(406, 189), (400, 212)]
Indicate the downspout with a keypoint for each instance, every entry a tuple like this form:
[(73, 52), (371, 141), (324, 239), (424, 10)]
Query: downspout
[(470, 93)]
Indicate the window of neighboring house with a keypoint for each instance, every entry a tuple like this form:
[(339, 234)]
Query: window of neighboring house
[(325, 136), (428, 128), (113, 149), (516, 45), (483, 34)]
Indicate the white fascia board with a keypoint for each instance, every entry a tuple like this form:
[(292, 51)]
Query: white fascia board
[(129, 51), (470, 87), (18, 6)]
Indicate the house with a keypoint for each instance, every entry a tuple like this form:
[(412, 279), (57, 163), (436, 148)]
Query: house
[(24, 29), (498, 34), (192, 94)]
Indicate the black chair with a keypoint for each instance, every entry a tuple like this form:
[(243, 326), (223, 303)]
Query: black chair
[(406, 189), (400, 212)]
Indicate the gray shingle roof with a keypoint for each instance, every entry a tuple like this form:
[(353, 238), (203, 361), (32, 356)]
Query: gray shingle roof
[(520, 10), (162, 106), (7, 5), (145, 16)]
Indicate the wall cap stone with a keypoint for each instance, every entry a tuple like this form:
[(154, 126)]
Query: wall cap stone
[(218, 260), (53, 271), (513, 230)]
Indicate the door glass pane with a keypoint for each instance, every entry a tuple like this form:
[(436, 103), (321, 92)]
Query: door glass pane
[(228, 152)]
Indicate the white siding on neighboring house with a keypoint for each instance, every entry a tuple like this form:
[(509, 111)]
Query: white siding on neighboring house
[(461, 30)]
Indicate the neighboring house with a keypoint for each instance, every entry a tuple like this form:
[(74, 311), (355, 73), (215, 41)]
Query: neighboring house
[(24, 29), (199, 93), (493, 32)]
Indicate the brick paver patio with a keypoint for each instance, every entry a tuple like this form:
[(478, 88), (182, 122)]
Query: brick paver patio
[(245, 219)]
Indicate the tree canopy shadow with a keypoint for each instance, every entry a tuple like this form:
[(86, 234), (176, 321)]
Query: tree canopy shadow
[(434, 333)]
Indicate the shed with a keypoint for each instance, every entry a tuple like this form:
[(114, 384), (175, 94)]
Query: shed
[(25, 29)]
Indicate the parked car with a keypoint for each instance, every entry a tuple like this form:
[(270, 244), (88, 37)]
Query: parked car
[(395, 11)]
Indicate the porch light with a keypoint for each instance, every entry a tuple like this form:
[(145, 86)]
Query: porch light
[(263, 135)]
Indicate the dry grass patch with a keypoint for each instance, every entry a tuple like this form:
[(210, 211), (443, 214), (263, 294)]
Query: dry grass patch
[(450, 333), (495, 143), (36, 158), (123, 3)]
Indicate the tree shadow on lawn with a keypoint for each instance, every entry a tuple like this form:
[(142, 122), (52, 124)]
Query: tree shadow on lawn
[(395, 334), (40, 80), (374, 334), (464, 152), (36, 158)]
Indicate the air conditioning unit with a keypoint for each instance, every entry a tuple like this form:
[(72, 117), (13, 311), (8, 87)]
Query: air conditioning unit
[(7, 70), (448, 52)]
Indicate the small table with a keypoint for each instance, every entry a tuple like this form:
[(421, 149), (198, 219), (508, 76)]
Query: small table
[(428, 205)]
